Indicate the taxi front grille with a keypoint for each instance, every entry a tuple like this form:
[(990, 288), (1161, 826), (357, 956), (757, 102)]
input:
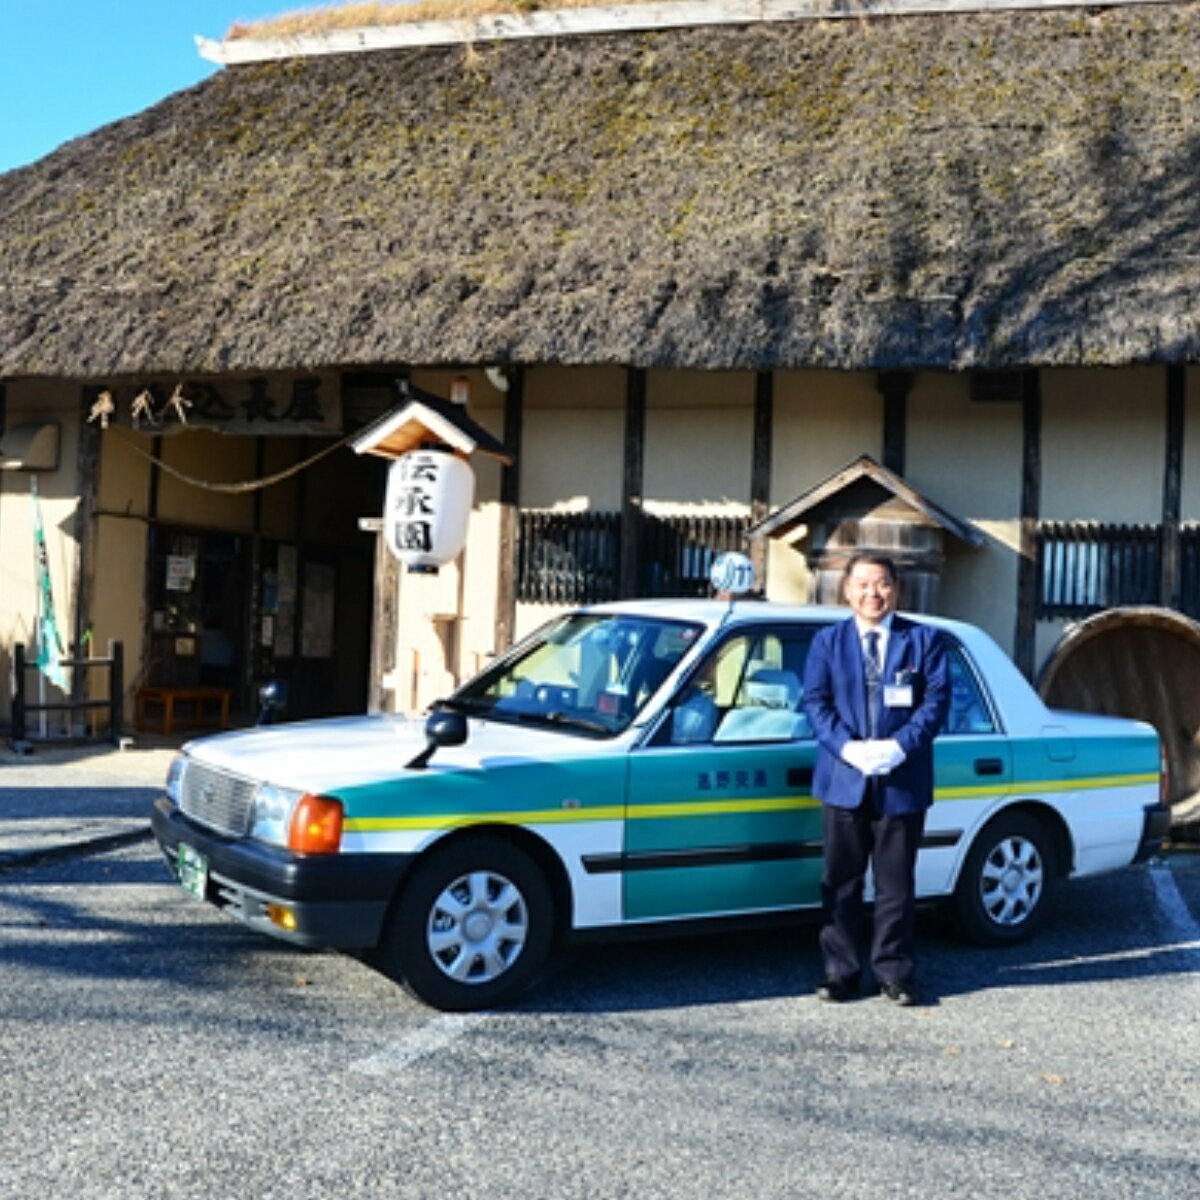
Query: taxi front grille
[(217, 799)]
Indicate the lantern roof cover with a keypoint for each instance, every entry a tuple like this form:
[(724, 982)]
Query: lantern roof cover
[(423, 419), (811, 505)]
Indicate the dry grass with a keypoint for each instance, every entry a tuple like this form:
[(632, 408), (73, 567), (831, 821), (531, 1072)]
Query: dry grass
[(360, 14)]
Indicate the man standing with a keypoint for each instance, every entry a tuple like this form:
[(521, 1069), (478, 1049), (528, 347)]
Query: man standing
[(876, 690)]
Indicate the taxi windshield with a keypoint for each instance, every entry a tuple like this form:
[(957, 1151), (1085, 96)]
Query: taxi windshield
[(587, 673)]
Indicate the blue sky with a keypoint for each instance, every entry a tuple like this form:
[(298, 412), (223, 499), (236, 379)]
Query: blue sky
[(69, 66)]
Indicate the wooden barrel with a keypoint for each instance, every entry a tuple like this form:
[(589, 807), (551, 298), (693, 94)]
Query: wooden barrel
[(1137, 662)]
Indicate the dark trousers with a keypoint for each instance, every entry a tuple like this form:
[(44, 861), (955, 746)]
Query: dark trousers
[(854, 839)]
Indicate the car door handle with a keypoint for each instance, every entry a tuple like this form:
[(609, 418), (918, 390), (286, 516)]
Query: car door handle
[(989, 766), (799, 777)]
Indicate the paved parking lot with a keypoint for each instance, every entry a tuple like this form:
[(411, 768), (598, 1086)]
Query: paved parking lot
[(150, 1047)]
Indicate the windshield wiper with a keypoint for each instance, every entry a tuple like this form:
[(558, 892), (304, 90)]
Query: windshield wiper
[(463, 704), (557, 717)]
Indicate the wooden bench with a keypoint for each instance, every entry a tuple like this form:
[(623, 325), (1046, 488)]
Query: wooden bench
[(208, 708)]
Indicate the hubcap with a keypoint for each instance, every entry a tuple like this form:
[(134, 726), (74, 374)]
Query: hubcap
[(477, 927), (1012, 881)]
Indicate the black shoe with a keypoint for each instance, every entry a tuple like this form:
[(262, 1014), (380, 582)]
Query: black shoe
[(834, 989), (902, 992)]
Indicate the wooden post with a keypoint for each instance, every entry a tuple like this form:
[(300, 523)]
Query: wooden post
[(18, 694), (510, 500), (87, 484), (1025, 646), (894, 386), (385, 621), (629, 575), (116, 690), (1169, 588), (760, 467)]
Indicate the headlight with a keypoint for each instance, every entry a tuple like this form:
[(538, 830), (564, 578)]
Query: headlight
[(271, 816), (174, 786)]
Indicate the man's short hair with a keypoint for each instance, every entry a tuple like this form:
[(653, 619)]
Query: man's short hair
[(875, 560)]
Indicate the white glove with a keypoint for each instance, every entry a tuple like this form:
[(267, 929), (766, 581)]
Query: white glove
[(857, 755), (883, 757)]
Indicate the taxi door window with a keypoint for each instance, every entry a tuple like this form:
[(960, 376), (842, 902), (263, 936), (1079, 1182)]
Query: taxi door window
[(969, 711), (748, 691)]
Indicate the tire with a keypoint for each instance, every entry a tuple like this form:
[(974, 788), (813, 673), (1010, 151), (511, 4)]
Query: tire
[(1007, 881), (471, 927)]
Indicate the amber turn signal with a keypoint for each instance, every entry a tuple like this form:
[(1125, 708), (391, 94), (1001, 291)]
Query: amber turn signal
[(316, 826), (282, 916)]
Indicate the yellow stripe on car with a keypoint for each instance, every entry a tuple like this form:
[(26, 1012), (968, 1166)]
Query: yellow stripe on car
[(713, 808)]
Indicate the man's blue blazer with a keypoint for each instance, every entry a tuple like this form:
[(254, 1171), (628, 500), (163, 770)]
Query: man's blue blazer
[(835, 699)]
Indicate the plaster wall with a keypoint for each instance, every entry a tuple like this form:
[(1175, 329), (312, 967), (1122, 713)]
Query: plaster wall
[(123, 487), (1103, 455), (214, 458), (572, 446), (699, 442), (119, 595), (58, 489), (1103, 445), (822, 421), (967, 457)]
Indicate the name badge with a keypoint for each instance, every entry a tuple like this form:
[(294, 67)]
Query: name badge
[(898, 695)]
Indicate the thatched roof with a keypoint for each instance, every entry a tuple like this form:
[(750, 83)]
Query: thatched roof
[(944, 192)]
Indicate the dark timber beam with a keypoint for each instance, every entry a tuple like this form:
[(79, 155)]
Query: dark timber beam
[(385, 618), (510, 499), (87, 484), (760, 467), (1031, 504), (894, 387), (1172, 484), (628, 578)]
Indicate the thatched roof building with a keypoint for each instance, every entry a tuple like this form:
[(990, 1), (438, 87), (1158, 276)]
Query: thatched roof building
[(980, 190)]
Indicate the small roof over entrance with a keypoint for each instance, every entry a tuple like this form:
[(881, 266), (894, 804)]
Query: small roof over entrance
[(424, 417), (861, 488), (865, 507)]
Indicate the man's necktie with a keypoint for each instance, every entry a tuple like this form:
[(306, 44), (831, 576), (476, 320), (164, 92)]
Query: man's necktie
[(874, 677), (872, 641)]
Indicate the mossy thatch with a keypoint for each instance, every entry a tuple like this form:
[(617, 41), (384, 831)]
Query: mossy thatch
[(365, 14), (946, 192)]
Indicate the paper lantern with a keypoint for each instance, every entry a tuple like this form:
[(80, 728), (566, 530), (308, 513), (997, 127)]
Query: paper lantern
[(429, 498)]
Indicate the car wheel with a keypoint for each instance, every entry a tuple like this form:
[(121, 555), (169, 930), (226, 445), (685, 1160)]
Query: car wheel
[(1007, 880), (471, 927)]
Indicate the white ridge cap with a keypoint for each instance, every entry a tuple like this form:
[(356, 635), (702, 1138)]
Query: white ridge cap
[(606, 19)]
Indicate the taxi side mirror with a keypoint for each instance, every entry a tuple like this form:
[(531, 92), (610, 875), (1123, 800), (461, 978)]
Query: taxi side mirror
[(442, 728)]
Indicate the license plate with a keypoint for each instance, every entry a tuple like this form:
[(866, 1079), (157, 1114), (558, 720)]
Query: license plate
[(193, 871)]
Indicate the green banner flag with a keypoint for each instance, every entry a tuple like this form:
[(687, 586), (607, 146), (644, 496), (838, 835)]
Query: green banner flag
[(48, 645)]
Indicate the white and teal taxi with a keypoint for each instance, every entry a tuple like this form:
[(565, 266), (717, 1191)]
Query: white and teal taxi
[(638, 764)]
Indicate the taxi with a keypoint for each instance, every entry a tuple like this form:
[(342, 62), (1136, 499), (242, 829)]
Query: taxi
[(640, 764)]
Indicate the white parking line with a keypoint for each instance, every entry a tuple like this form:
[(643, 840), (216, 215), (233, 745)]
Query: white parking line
[(428, 1039), (1181, 928), (1182, 925)]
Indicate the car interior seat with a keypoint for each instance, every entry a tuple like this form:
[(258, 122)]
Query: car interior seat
[(770, 712)]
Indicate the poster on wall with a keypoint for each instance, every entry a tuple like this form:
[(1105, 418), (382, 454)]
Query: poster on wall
[(316, 629), (285, 601), (181, 572), (286, 565)]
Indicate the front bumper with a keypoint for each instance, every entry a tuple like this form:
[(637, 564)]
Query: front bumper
[(336, 901), (1156, 825)]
